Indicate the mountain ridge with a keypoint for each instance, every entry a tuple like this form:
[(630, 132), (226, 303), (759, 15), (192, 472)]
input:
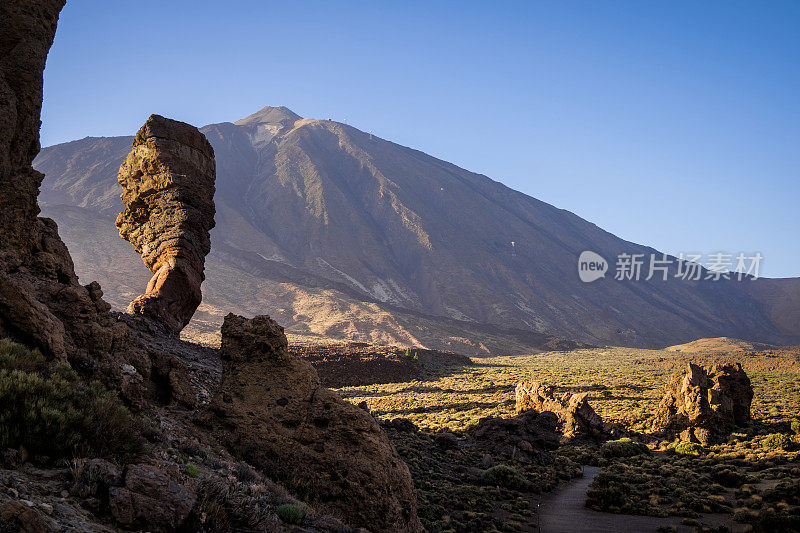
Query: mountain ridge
[(402, 228)]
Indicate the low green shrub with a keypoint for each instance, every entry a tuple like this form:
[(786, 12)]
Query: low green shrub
[(50, 411), (192, 470), (291, 513), (623, 448), (796, 426), (504, 476), (775, 441), (688, 448)]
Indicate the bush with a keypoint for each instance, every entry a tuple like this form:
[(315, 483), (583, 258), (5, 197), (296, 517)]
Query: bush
[(51, 412), (623, 448), (688, 448), (796, 426), (504, 476), (192, 470), (775, 441), (291, 513)]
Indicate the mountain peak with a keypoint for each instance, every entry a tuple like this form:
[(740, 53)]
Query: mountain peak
[(269, 115)]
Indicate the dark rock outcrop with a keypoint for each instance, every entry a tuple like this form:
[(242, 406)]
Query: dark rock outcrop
[(168, 191), (271, 408), (529, 430), (705, 402), (151, 499), (577, 418), (41, 302)]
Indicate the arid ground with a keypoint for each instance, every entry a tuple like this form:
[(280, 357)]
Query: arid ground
[(752, 480)]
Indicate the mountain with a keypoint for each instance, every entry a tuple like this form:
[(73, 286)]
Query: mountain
[(336, 232)]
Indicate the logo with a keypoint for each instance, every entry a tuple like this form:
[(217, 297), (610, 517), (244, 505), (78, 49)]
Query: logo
[(591, 266)]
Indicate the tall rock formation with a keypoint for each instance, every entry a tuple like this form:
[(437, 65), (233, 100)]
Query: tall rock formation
[(168, 191), (271, 409), (704, 403)]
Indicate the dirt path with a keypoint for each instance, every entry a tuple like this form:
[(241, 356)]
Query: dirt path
[(564, 511)]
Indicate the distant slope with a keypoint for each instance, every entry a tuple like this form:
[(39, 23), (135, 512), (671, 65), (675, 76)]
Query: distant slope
[(320, 208), (721, 344)]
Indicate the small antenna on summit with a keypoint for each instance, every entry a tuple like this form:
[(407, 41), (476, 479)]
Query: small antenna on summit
[(513, 249)]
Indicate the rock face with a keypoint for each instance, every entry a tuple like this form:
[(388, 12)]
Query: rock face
[(271, 408), (577, 418), (703, 403), (41, 302), (168, 191)]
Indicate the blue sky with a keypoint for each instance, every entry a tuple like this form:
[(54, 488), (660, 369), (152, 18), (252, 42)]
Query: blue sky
[(672, 124)]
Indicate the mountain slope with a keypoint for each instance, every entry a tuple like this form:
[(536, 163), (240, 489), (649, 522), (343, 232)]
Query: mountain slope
[(315, 204)]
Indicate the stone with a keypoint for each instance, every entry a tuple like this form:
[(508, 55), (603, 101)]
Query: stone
[(46, 508), (168, 190), (25, 518), (705, 403), (325, 450), (446, 441), (403, 424), (150, 499), (578, 420), (499, 434), (104, 472), (488, 461)]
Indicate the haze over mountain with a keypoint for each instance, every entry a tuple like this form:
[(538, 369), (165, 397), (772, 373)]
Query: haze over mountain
[(335, 232)]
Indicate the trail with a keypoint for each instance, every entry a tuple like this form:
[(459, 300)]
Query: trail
[(564, 511)]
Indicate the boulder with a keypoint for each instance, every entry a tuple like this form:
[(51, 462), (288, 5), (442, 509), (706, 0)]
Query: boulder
[(704, 403), (24, 518), (577, 418), (271, 409), (539, 431), (151, 499), (168, 191)]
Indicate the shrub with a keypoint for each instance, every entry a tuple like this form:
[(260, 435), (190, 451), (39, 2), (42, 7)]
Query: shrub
[(607, 494), (192, 470), (688, 448), (504, 476), (796, 426), (775, 441), (623, 448), (291, 513), (51, 412)]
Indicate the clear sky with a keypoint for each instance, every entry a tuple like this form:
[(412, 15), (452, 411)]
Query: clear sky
[(672, 124)]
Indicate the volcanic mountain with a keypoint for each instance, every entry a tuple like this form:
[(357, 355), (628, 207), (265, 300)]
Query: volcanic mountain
[(337, 233)]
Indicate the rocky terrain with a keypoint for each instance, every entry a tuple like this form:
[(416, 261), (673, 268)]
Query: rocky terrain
[(337, 233), (352, 364), (110, 420)]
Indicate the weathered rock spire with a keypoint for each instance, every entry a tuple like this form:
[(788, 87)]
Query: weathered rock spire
[(168, 191)]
